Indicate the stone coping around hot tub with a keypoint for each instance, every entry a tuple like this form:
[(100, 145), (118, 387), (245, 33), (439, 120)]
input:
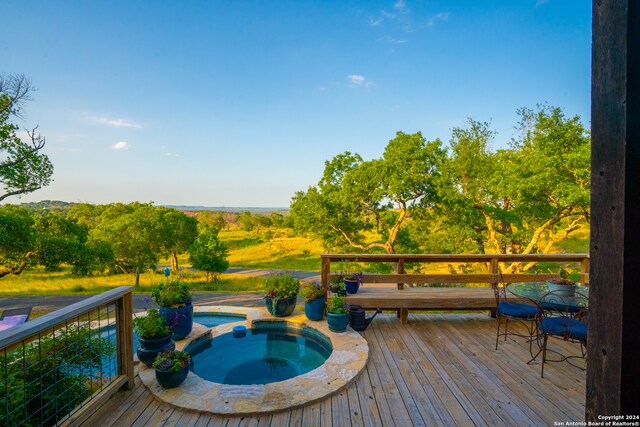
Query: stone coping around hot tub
[(347, 360)]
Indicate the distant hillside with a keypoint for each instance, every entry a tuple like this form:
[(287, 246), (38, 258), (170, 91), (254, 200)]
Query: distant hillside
[(60, 206), (227, 209)]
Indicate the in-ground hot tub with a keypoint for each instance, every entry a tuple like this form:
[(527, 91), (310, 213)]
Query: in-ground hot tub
[(344, 362), (267, 353)]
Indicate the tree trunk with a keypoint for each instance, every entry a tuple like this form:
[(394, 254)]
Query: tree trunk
[(174, 263), (137, 284), (19, 269)]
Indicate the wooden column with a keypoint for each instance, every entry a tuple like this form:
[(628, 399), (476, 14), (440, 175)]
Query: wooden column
[(324, 275), (124, 313), (614, 309)]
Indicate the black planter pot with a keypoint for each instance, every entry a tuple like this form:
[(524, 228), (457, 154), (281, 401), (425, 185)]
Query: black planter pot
[(337, 290), (179, 320), (284, 306), (148, 349), (171, 379)]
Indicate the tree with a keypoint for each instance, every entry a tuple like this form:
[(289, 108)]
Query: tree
[(209, 254), (137, 235), (246, 221), (364, 204), (521, 199), (23, 168), (180, 231), (209, 219), (58, 240), (16, 239)]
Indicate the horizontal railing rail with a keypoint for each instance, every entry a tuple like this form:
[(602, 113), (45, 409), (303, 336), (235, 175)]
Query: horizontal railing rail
[(490, 263), (60, 367)]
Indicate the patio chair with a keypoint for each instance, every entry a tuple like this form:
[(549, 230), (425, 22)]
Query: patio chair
[(524, 314), (564, 319), (13, 317)]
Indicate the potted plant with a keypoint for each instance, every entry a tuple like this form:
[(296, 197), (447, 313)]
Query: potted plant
[(337, 313), (352, 282), (313, 295), (154, 336), (337, 286), (565, 286), (172, 368), (281, 293), (174, 300)]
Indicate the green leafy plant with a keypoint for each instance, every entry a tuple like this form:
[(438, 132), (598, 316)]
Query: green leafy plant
[(311, 291), (281, 286), (66, 367), (173, 295), (566, 278), (171, 360), (336, 305), (153, 325)]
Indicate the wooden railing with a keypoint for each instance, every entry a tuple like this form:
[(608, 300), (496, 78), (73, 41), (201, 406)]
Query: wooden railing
[(41, 349), (491, 263)]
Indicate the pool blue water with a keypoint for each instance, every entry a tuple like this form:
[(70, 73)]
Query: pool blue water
[(211, 320), (207, 319), (270, 352)]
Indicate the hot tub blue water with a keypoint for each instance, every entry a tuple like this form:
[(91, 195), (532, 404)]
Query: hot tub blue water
[(270, 352), (211, 320)]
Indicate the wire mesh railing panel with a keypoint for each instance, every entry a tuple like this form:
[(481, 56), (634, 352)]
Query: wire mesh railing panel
[(49, 375)]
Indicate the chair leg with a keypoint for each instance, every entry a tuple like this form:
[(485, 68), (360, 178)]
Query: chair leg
[(498, 332), (544, 353), (506, 327)]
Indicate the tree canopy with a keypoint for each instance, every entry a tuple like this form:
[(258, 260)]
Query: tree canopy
[(466, 197), (23, 167), (364, 204)]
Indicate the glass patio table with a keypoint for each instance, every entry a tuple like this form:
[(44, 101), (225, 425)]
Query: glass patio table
[(538, 290)]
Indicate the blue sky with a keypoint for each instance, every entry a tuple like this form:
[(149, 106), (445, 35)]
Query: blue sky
[(239, 103)]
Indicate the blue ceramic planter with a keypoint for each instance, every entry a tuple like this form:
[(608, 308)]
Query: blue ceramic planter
[(351, 286), (180, 320), (170, 379), (283, 307), (314, 310), (338, 322), (148, 349)]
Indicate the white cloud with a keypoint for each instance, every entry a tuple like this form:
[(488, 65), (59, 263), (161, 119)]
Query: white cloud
[(121, 146), (400, 4), (118, 123), (393, 40), (359, 80), (541, 2), (439, 17), (356, 79), (375, 22)]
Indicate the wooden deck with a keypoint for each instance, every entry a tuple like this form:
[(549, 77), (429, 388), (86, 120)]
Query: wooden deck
[(439, 370)]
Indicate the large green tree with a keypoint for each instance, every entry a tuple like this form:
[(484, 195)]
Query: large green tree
[(136, 233), (180, 231), (362, 204), (16, 239), (519, 199), (23, 167)]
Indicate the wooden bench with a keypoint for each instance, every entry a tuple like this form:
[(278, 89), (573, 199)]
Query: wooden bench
[(388, 291)]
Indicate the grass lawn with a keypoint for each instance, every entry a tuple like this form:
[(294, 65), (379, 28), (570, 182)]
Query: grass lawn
[(39, 282)]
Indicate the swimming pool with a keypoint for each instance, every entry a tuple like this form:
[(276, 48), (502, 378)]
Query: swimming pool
[(270, 352)]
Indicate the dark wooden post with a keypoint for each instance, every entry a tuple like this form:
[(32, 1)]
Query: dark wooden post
[(324, 274), (614, 310)]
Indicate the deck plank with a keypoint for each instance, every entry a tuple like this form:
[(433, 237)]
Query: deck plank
[(440, 369)]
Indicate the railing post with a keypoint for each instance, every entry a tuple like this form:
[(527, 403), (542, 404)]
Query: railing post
[(324, 278), (124, 308), (584, 271), (494, 269), (400, 270)]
